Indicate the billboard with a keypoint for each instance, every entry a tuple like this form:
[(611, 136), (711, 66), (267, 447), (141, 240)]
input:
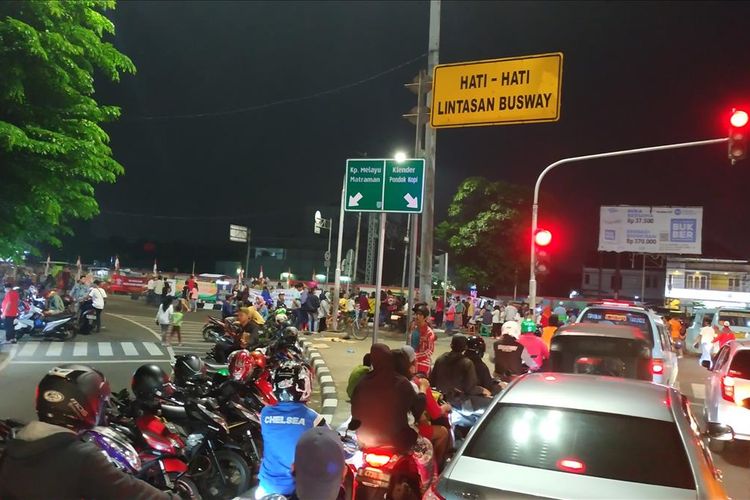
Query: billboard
[(673, 230)]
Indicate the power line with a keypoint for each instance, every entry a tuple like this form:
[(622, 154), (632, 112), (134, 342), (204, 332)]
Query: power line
[(289, 100)]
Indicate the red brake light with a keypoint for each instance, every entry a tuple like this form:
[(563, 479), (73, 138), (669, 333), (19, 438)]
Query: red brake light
[(376, 460), (657, 366), (571, 465), (727, 388)]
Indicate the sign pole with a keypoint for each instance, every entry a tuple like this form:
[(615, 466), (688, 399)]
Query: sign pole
[(328, 253), (535, 206), (414, 218), (339, 244), (356, 250), (247, 254), (445, 285), (379, 276)]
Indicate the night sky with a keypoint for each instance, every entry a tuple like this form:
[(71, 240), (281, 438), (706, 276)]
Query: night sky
[(635, 74)]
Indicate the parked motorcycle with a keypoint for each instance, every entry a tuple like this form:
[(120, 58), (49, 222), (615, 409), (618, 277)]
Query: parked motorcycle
[(31, 321), (86, 316)]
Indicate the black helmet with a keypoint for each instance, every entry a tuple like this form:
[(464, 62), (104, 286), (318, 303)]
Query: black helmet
[(475, 345), (289, 337), (292, 382), (188, 368), (72, 396), (149, 381)]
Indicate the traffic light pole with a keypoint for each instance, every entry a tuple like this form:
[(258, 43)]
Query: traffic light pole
[(535, 206)]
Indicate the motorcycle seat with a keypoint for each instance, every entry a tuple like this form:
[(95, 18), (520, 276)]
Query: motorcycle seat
[(58, 316), (211, 367)]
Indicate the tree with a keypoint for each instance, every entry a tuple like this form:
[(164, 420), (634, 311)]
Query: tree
[(485, 233), (52, 149)]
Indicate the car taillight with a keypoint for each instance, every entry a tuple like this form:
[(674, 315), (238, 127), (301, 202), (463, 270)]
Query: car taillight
[(657, 366), (376, 460), (727, 388), (571, 465)]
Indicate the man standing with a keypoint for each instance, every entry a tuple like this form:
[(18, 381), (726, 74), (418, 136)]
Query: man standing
[(9, 311), (511, 312), (675, 330), (98, 295), (422, 339), (150, 291), (158, 286)]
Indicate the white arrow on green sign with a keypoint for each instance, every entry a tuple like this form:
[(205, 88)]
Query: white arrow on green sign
[(384, 185)]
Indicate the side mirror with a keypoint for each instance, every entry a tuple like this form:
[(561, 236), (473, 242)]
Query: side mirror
[(706, 364)]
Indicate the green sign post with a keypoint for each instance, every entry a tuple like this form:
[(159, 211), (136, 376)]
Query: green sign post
[(384, 185)]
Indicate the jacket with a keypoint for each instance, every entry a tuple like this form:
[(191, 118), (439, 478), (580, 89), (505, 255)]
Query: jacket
[(508, 355), (454, 375), (48, 461), (10, 304)]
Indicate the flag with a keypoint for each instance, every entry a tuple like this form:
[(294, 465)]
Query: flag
[(78, 266), (155, 268), (260, 276), (117, 263), (46, 267)]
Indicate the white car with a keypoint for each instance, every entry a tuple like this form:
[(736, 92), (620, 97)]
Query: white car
[(727, 409), (559, 435)]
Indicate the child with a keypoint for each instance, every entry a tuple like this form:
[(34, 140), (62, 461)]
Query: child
[(177, 318)]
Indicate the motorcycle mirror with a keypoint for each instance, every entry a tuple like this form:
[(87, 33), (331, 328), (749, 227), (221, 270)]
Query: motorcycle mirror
[(354, 425)]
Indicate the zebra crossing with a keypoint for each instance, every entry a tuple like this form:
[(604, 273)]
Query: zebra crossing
[(34, 352), (192, 339)]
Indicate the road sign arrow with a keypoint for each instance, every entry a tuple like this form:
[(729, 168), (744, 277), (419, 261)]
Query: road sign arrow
[(411, 201), (354, 200)]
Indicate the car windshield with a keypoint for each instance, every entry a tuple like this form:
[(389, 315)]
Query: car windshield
[(735, 318), (588, 443), (740, 366), (619, 317)]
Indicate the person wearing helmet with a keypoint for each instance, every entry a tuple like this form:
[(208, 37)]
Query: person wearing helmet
[(454, 374), (475, 348), (241, 365), (422, 338), (70, 399), (534, 345), (149, 382), (189, 370), (510, 356), (281, 426)]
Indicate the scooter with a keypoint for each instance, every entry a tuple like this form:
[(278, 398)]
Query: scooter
[(86, 317), (34, 323)]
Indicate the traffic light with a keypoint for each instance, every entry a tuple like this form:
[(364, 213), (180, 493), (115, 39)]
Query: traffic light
[(438, 265), (738, 130), (542, 239)]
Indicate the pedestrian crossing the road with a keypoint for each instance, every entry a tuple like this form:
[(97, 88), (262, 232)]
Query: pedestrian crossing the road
[(43, 352), (191, 331)]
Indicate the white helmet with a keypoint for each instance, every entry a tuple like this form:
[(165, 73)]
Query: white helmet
[(511, 328)]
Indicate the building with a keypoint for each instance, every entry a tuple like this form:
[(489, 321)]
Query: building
[(637, 284), (699, 282)]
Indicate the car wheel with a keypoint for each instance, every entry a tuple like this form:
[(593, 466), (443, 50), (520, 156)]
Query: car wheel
[(717, 446)]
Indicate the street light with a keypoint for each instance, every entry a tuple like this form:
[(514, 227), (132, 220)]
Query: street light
[(400, 157), (321, 223)]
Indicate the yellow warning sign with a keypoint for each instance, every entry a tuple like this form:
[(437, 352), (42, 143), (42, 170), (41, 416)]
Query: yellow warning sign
[(497, 92)]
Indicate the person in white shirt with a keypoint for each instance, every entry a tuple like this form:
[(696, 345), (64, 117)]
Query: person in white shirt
[(158, 287), (150, 290), (511, 313), (164, 318), (706, 337), (98, 295)]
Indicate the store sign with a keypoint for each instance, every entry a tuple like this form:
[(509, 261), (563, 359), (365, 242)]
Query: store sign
[(658, 230)]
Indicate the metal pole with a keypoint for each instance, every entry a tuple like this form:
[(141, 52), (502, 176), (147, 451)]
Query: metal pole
[(535, 206), (328, 260), (356, 249), (643, 279), (337, 279), (406, 254), (247, 254), (414, 218), (379, 276), (445, 284), (428, 214)]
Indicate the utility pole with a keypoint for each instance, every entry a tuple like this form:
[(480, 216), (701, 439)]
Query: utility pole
[(356, 249), (372, 238), (428, 213), (337, 278)]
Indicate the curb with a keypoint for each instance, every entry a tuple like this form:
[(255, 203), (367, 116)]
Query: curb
[(329, 400)]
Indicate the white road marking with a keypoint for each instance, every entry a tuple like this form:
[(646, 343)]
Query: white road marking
[(129, 349), (54, 349), (152, 348), (28, 349), (95, 361), (699, 391), (80, 349), (105, 349)]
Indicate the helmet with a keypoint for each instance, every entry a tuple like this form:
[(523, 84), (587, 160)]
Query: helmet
[(475, 345), (72, 396), (511, 328), (149, 381), (259, 359), (188, 368), (289, 337), (292, 382), (528, 326), (241, 365)]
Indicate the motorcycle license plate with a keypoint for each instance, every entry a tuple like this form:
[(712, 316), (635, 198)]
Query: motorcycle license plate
[(91, 316)]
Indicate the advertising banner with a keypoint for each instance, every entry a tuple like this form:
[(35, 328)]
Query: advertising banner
[(659, 230)]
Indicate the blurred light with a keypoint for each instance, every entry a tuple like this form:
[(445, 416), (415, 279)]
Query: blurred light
[(521, 431), (636, 297), (573, 294), (318, 216), (571, 465), (543, 237), (400, 157), (550, 426), (739, 118), (550, 378), (320, 277)]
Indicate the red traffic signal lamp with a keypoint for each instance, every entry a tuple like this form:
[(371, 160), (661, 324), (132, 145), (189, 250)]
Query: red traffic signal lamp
[(738, 131), (542, 237)]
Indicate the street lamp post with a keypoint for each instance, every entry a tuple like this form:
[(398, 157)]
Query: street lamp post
[(535, 206), (321, 223)]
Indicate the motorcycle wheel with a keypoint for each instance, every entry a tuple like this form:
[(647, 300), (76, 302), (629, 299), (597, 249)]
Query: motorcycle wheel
[(186, 488), (237, 473), (69, 332)]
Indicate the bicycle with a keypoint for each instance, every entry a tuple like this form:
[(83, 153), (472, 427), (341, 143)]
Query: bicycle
[(355, 329)]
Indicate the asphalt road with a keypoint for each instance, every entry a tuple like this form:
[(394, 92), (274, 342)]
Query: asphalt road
[(130, 338)]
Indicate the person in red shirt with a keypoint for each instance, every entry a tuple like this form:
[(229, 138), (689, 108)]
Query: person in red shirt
[(364, 308), (534, 345), (439, 308), (725, 336), (422, 339), (9, 312)]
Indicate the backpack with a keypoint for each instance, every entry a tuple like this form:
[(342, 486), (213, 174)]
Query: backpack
[(312, 303)]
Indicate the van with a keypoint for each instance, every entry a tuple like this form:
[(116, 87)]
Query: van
[(739, 322)]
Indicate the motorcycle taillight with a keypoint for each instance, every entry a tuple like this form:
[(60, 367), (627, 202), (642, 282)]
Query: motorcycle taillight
[(377, 460)]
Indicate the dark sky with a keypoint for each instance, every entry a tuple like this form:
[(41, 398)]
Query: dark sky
[(635, 74)]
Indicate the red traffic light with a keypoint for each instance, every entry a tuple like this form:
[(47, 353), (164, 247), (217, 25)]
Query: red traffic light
[(542, 238), (738, 119)]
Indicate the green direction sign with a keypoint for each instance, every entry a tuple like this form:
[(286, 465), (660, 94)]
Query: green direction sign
[(384, 185)]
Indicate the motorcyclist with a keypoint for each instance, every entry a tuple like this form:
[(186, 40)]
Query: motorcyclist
[(454, 374), (282, 425), (55, 304), (247, 336), (381, 402), (534, 345), (475, 348), (510, 356), (70, 399)]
